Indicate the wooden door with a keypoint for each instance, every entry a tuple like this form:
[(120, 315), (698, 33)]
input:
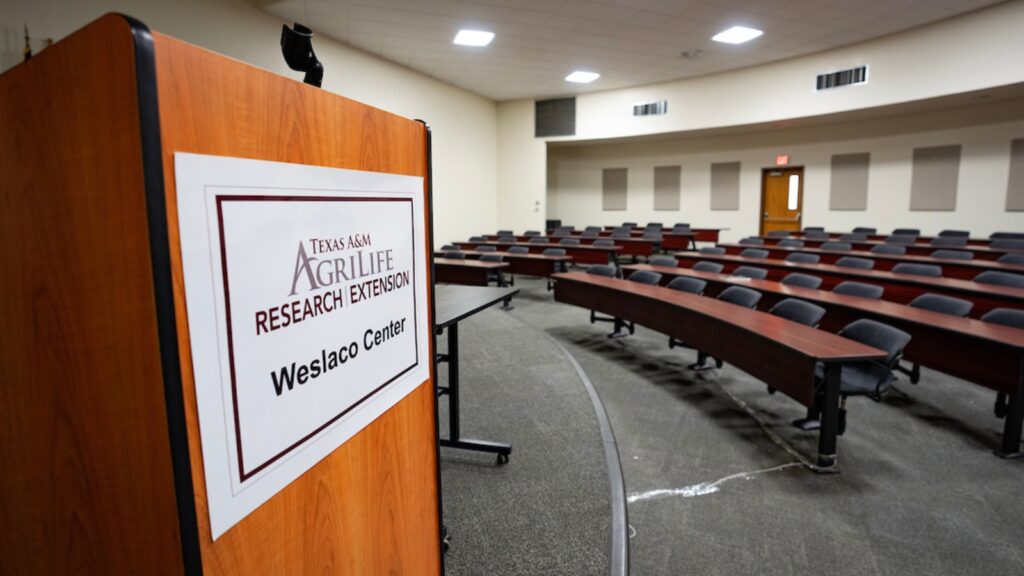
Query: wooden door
[(782, 198)]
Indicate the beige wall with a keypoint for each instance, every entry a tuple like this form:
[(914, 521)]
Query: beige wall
[(464, 125), (985, 133), (976, 51)]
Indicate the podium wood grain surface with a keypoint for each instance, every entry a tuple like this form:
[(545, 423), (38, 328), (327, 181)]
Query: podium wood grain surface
[(89, 481)]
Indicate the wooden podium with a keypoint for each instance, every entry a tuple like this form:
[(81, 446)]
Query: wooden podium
[(101, 454)]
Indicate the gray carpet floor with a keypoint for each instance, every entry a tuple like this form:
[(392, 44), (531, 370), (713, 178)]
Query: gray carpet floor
[(709, 464)]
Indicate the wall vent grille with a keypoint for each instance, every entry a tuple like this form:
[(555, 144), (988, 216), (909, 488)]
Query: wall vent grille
[(650, 108), (858, 75), (556, 117)]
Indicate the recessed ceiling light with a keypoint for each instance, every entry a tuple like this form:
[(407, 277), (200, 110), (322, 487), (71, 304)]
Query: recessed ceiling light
[(582, 77), (737, 35), (473, 38)]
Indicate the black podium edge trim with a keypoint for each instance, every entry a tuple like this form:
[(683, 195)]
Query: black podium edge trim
[(160, 256), (433, 332)]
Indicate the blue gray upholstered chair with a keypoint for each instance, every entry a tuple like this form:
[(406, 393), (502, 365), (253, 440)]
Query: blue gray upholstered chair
[(798, 311), (851, 288), (854, 262), (750, 272), (803, 258), (930, 270), (802, 280)]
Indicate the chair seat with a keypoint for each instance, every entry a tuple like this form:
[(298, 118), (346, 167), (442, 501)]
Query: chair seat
[(860, 379)]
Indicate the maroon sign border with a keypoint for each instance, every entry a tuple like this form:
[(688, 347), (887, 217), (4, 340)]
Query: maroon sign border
[(220, 199)]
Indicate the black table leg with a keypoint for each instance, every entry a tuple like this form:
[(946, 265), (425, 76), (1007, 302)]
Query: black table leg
[(1012, 426), (829, 420), (455, 439)]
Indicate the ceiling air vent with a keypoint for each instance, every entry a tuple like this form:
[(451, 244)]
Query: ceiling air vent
[(650, 108), (858, 75)]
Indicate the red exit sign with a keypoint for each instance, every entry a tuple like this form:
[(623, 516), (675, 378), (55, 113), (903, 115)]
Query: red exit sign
[(782, 160)]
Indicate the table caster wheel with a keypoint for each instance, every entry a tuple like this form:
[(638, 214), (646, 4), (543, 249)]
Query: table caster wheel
[(502, 459)]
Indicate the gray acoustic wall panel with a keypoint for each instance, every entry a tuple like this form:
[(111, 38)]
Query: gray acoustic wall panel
[(556, 117), (666, 187), (613, 188), (934, 181), (1015, 186), (849, 182), (725, 186)]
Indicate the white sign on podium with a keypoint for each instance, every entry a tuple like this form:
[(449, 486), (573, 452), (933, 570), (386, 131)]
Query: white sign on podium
[(307, 308)]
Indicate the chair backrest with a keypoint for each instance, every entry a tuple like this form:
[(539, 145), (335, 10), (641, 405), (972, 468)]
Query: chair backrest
[(507, 239), (492, 257), (454, 255), (448, 247), (1011, 258), (680, 229), (889, 249), (752, 242), (570, 241), (645, 277), (865, 230), (538, 240), (604, 242), (602, 270), (740, 296), (1005, 235), (518, 250), (816, 234), (814, 228), (956, 233), (1005, 316), (560, 233), (652, 234), (882, 336), (837, 246), (754, 253), (686, 284), (1007, 244), (705, 266), (953, 254), (554, 252), (531, 233), (930, 270), (657, 225), (750, 272), (803, 258), (906, 232), (681, 225), (506, 233), (943, 304), (712, 250), (1000, 278), (591, 234), (900, 239), (949, 241), (778, 234), (477, 239), (662, 261), (629, 224), (626, 229), (798, 311), (802, 280), (854, 262), (621, 234), (853, 237), (790, 243), (851, 288), (593, 228), (486, 248)]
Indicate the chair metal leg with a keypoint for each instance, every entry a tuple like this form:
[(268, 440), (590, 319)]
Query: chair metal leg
[(701, 364)]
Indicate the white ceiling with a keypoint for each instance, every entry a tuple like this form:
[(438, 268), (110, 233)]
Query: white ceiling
[(629, 42)]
